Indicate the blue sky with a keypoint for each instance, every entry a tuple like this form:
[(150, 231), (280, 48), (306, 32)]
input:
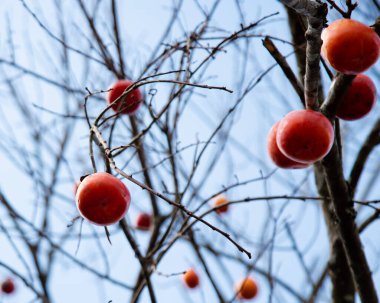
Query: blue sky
[(142, 23)]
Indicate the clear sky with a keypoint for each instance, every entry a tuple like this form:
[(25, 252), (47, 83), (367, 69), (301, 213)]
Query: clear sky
[(142, 24)]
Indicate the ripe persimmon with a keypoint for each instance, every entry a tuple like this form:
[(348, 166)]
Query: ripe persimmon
[(275, 153), (8, 286), (220, 200), (246, 288), (143, 221), (358, 100), (102, 199), (128, 104), (190, 278), (350, 47), (305, 136)]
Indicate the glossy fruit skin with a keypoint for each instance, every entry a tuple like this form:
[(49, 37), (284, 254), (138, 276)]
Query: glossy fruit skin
[(8, 286), (131, 102), (305, 136), (143, 221), (190, 278), (102, 199), (358, 100), (219, 200), (349, 46), (275, 153), (246, 288)]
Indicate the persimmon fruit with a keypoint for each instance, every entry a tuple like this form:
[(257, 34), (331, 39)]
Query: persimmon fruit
[(305, 136), (246, 288), (190, 278), (102, 199), (143, 221), (220, 200), (350, 47), (128, 104), (275, 153), (8, 286), (358, 100)]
